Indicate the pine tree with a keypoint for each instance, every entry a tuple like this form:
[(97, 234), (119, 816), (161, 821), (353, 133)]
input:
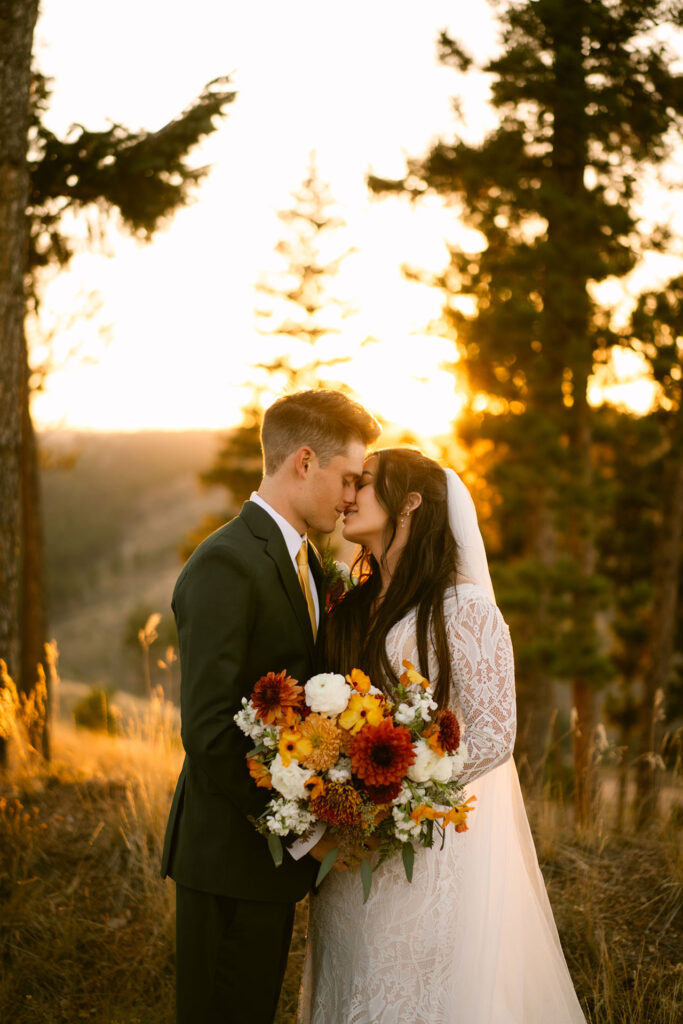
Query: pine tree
[(16, 37), (309, 315), (300, 297), (585, 97)]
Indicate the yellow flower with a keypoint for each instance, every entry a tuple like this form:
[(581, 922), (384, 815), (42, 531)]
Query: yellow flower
[(317, 786), (293, 746), (359, 681), (362, 709), (457, 816), (411, 676)]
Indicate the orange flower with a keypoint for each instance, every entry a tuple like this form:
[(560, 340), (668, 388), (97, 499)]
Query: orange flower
[(457, 816), (380, 756), (278, 699), (433, 738), (259, 773), (293, 746), (412, 677), (359, 681), (317, 786), (422, 812), (362, 709), (325, 739)]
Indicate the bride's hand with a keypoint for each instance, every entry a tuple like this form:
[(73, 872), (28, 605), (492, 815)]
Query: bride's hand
[(323, 847)]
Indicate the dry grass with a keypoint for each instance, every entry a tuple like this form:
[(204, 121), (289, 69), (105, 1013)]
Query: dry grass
[(86, 924)]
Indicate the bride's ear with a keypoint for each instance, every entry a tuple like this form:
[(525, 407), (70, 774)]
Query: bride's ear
[(411, 502)]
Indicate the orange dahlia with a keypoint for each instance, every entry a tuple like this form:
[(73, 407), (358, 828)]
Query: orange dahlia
[(278, 699), (339, 804), (325, 739), (259, 773), (381, 754)]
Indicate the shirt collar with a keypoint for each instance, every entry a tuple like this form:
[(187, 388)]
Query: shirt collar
[(293, 539)]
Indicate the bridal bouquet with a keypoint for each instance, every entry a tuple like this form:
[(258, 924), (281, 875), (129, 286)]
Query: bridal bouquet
[(381, 773)]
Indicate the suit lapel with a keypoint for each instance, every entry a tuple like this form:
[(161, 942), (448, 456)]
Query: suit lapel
[(264, 526), (319, 577)]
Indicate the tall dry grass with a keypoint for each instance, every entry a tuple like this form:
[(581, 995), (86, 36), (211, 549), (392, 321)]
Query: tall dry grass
[(86, 923)]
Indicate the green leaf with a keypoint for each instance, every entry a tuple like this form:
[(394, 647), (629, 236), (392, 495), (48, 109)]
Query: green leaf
[(257, 750), (366, 878), (326, 865), (408, 854), (275, 847)]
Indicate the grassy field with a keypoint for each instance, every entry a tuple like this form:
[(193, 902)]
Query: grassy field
[(86, 923)]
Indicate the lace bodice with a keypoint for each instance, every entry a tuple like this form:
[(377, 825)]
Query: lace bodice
[(483, 674)]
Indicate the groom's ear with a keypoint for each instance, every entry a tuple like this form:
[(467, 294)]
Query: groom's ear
[(303, 460)]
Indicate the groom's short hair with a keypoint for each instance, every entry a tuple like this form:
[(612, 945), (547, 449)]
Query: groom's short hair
[(325, 420)]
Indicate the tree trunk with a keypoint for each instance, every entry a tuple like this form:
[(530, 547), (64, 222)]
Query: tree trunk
[(662, 637), (33, 617), (17, 22), (568, 314)]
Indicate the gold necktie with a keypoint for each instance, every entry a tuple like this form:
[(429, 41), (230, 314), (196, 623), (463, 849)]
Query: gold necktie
[(302, 562)]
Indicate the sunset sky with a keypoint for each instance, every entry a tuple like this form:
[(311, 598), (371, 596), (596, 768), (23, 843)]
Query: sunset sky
[(358, 83)]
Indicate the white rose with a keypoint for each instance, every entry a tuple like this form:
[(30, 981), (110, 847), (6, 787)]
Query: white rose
[(426, 764), (327, 693), (289, 779)]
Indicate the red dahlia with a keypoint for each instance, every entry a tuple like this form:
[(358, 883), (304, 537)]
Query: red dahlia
[(383, 794), (381, 754), (449, 731), (278, 699)]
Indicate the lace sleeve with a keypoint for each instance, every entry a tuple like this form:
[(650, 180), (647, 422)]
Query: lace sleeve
[(483, 681)]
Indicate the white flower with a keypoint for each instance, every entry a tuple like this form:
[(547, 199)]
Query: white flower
[(247, 721), (289, 779), (327, 693), (341, 771), (458, 760), (404, 826), (287, 816), (344, 573), (405, 714), (427, 764)]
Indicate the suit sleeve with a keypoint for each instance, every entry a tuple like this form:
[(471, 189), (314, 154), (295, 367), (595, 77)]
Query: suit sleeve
[(215, 611)]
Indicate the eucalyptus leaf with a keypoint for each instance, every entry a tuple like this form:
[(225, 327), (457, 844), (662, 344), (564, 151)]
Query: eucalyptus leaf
[(326, 865), (366, 877), (275, 847), (408, 854)]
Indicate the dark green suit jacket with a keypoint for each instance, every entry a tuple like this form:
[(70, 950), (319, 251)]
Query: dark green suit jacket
[(241, 613)]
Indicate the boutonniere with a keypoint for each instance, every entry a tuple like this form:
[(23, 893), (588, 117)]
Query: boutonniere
[(336, 577)]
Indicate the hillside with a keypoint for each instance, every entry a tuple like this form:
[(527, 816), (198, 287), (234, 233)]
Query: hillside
[(116, 509)]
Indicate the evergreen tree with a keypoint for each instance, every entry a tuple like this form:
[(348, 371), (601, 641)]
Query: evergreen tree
[(300, 297), (585, 97), (16, 39)]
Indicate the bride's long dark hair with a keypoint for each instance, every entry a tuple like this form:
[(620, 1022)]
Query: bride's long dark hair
[(358, 626)]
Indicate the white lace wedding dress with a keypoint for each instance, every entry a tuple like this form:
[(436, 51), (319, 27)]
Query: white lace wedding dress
[(472, 939)]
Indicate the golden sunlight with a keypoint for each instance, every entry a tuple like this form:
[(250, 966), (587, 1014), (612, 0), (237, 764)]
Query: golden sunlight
[(625, 381)]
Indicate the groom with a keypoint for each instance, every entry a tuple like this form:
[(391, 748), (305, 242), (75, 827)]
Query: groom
[(246, 603)]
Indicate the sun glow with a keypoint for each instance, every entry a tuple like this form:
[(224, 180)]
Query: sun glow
[(624, 381)]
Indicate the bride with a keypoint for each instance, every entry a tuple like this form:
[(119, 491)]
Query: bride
[(472, 939)]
